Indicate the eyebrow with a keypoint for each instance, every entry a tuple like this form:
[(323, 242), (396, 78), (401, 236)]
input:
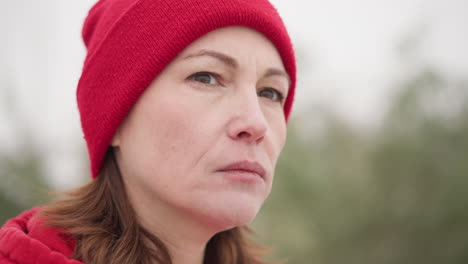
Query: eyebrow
[(231, 62), (276, 72)]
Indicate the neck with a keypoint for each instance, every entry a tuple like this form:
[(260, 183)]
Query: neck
[(184, 238), (185, 242)]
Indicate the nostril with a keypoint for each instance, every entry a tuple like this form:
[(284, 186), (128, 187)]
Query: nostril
[(243, 134)]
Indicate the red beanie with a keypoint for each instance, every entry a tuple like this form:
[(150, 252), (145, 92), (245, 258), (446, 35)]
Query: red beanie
[(129, 42)]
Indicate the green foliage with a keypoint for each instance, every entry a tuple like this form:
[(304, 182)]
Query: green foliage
[(23, 184)]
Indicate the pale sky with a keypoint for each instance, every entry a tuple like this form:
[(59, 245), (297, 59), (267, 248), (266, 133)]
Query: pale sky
[(347, 58)]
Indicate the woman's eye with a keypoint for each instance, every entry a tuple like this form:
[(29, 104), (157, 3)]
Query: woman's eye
[(272, 94), (205, 77)]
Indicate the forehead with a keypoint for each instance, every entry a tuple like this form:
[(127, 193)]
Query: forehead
[(243, 44)]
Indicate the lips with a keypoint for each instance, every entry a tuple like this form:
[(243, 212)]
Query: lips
[(246, 167)]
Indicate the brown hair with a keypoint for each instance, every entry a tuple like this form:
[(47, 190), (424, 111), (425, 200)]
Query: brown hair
[(102, 221)]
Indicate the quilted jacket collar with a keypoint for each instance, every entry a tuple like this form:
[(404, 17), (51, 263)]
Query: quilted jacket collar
[(24, 240)]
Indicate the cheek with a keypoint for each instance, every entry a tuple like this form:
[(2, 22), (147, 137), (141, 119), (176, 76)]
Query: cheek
[(281, 132), (277, 136), (172, 136), (159, 143)]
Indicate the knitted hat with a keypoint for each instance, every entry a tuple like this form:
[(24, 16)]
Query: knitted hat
[(129, 43)]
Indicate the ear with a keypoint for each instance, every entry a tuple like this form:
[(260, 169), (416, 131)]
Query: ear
[(116, 138)]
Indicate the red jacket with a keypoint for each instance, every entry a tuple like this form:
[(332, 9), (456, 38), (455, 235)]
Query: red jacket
[(24, 240)]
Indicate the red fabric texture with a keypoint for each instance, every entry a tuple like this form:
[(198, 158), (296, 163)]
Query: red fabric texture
[(25, 240), (129, 42)]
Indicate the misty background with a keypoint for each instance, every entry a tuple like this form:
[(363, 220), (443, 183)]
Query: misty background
[(375, 169)]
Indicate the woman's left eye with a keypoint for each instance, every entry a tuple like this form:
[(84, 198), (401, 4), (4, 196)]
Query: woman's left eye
[(272, 94), (205, 77)]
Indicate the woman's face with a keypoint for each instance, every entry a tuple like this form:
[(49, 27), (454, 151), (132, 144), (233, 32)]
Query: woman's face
[(203, 139)]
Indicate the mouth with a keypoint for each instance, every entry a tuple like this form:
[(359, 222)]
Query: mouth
[(245, 167)]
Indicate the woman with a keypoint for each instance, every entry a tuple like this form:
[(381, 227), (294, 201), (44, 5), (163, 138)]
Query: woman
[(183, 106)]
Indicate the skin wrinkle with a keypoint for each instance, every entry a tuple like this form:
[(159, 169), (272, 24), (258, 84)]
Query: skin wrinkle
[(181, 131)]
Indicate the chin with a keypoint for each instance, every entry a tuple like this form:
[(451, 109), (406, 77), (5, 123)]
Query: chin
[(229, 213)]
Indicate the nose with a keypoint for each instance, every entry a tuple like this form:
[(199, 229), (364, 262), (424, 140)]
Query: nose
[(248, 123)]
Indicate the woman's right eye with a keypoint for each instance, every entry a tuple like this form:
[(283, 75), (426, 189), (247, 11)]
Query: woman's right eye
[(205, 77)]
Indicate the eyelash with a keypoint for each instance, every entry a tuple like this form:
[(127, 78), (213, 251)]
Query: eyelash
[(217, 78), (280, 96)]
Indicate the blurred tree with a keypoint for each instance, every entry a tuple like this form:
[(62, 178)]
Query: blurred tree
[(23, 184), (394, 196), (22, 178)]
